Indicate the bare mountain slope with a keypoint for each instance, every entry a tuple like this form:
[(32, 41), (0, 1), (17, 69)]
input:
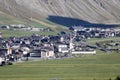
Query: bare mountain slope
[(95, 11)]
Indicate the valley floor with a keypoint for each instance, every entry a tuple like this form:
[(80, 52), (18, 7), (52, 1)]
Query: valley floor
[(89, 67)]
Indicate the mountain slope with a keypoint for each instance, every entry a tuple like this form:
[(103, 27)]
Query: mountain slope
[(95, 11)]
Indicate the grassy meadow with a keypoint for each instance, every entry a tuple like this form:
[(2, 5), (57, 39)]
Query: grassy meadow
[(91, 67), (94, 40), (9, 33)]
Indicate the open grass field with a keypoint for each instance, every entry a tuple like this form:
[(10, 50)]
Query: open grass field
[(9, 33), (97, 67), (94, 40)]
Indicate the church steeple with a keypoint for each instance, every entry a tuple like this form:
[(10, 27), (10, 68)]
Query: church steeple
[(71, 42)]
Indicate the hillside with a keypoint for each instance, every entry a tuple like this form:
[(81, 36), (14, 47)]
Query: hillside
[(93, 11)]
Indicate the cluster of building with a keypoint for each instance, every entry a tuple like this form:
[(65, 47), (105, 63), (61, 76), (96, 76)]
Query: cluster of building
[(23, 27), (45, 47), (109, 46), (95, 32)]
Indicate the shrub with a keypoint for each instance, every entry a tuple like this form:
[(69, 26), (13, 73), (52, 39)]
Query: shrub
[(117, 78)]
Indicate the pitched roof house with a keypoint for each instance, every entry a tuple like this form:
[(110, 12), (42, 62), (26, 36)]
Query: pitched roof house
[(47, 52)]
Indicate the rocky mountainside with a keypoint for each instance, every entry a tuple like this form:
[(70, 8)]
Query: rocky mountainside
[(94, 11)]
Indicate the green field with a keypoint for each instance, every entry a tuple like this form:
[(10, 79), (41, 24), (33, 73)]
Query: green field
[(94, 40), (13, 33), (97, 67)]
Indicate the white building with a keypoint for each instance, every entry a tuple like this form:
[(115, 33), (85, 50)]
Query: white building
[(84, 52), (62, 48)]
